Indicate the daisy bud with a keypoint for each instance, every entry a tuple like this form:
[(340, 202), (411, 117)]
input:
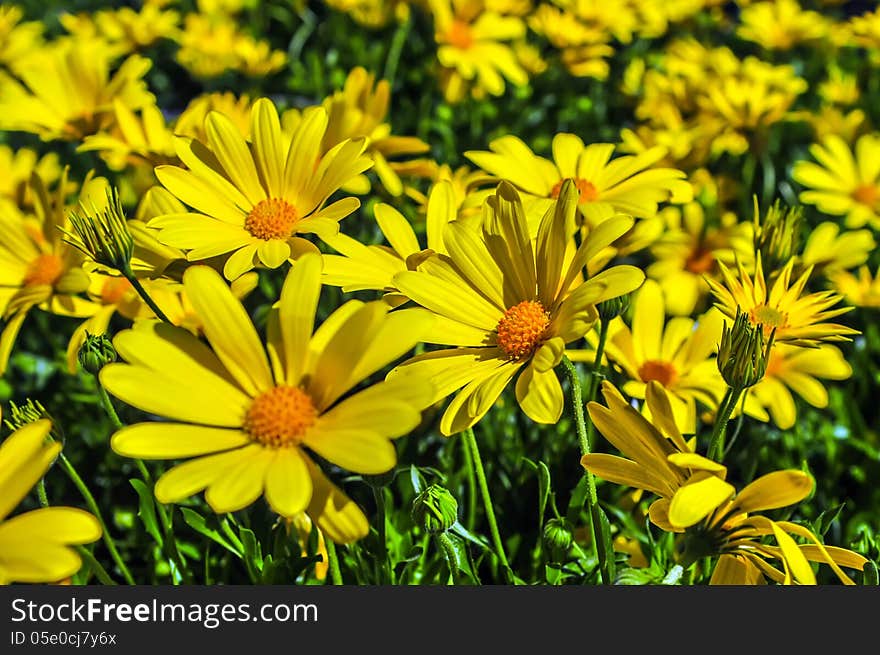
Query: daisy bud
[(435, 509), (30, 412), (613, 307), (743, 353), (557, 539), (778, 236), (95, 353), (103, 234)]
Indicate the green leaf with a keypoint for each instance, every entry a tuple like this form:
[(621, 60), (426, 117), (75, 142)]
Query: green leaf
[(147, 510), (253, 553), (197, 522)]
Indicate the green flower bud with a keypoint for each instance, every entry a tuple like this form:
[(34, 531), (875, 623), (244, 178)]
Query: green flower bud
[(435, 509), (95, 353), (743, 354), (778, 235), (557, 538), (613, 307), (31, 411), (103, 234)]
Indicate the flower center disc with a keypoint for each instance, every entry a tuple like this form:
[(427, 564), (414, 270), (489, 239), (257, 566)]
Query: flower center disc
[(272, 218), (700, 261), (114, 290), (587, 191), (522, 329), (662, 372), (280, 417), (460, 35), (45, 269), (769, 317), (867, 194)]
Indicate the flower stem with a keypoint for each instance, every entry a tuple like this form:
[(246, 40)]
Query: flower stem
[(385, 563), (725, 409), (480, 473), (93, 506), (146, 297), (99, 571), (472, 485), (595, 376), (577, 403), (333, 562)]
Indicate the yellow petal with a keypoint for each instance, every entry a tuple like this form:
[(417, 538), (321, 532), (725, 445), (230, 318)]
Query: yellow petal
[(232, 152), (273, 253), (540, 395), (774, 490), (339, 517), (269, 146), (242, 483), (188, 478), (60, 525), (397, 230), (160, 440), (360, 451), (288, 484), (299, 301), (796, 564), (696, 500), (24, 458)]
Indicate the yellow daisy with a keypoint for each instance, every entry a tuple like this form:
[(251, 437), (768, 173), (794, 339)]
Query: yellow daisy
[(35, 546), (124, 29), (508, 305), (794, 369), (18, 166), (829, 250), (37, 267), (626, 184), (253, 199), (781, 25), (18, 39), (843, 182), (797, 318), (862, 290), (472, 47), (245, 419), (677, 354)]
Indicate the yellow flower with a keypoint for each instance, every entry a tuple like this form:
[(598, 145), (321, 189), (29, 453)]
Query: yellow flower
[(124, 29), (689, 250), (244, 419), (360, 109), (471, 47), (606, 186), (861, 291), (253, 199), (372, 13), (794, 369), (16, 169), (797, 318), (842, 184), (360, 267), (191, 122), (35, 546), (17, 39), (677, 354), (828, 250), (67, 91), (781, 24), (508, 304), (37, 268)]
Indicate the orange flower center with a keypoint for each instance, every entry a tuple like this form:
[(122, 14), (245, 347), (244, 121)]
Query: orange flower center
[(45, 269), (587, 192), (700, 261), (459, 35), (280, 417), (867, 194), (662, 372), (272, 218), (522, 329), (769, 317), (114, 290)]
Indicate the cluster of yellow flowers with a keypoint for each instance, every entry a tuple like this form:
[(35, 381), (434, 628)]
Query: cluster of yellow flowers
[(522, 253)]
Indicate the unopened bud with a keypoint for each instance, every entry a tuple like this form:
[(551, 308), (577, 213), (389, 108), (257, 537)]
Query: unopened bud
[(557, 538), (435, 509), (743, 353), (30, 412), (95, 353), (778, 235), (102, 233), (613, 307)]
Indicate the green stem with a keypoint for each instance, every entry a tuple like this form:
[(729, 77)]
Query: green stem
[(93, 506), (385, 563), (146, 297), (173, 553), (449, 553), (577, 403), (472, 486), (725, 409), (480, 473), (333, 562), (99, 571), (595, 376), (395, 50), (41, 493)]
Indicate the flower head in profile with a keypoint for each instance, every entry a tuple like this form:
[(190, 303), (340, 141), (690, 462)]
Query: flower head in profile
[(842, 181), (861, 288), (253, 199), (37, 546), (629, 184), (508, 305), (796, 317), (245, 417)]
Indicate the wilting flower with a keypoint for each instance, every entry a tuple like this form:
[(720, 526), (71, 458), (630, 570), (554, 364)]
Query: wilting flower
[(243, 418), (253, 199), (797, 318), (509, 305), (36, 546)]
